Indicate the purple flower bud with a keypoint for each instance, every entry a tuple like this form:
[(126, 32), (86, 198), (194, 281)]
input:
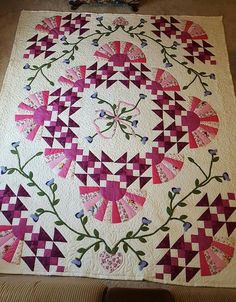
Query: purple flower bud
[(142, 264), (79, 214), (77, 262), (95, 42), (50, 182), (206, 93), (134, 123), (146, 221), (226, 176), (89, 139), (3, 170), (212, 76), (144, 140), (187, 226), (168, 64), (99, 18), (66, 61), (143, 44), (94, 95), (102, 113), (27, 66), (28, 87), (212, 151), (15, 144), (35, 217), (142, 96), (176, 190), (63, 38)]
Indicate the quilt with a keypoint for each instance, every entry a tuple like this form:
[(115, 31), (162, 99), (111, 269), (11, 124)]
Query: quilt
[(117, 153)]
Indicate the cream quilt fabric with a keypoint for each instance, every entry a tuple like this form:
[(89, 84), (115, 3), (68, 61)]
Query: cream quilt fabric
[(118, 149)]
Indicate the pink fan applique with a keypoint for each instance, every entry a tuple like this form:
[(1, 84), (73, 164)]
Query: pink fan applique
[(34, 114), (50, 25), (111, 203), (119, 52), (202, 122), (215, 258), (192, 30), (164, 81), (165, 166), (62, 161), (10, 245), (75, 77)]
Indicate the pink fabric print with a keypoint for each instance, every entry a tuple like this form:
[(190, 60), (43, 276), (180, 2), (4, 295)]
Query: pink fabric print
[(119, 53), (217, 256), (62, 161), (164, 81), (34, 114), (50, 25), (110, 262), (10, 245), (75, 77), (191, 30), (202, 123), (120, 21), (165, 166), (112, 203)]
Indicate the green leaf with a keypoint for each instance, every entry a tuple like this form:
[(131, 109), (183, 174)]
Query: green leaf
[(163, 50), (144, 228), (127, 136), (81, 250), (31, 175), (142, 33), (41, 193), (125, 247), (189, 71), (59, 222), (65, 51), (114, 106), (109, 117), (115, 250), (39, 153), (53, 59), (170, 195), (96, 247), (49, 65), (143, 240), (40, 210), (30, 79), (202, 73), (31, 184), (108, 249), (131, 35), (129, 234), (100, 102), (96, 233), (130, 28), (173, 56), (182, 217), (123, 110), (196, 192), (56, 201), (169, 211), (51, 83), (182, 204), (13, 151), (218, 179), (184, 63), (123, 126), (54, 187), (140, 253), (215, 159), (128, 117), (109, 124), (10, 171), (107, 34), (197, 182), (35, 67), (80, 237), (109, 27), (76, 47), (191, 159), (85, 220), (165, 229), (98, 31), (185, 87), (205, 84)]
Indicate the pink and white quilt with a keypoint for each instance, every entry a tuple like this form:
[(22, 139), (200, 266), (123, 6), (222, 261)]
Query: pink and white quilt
[(117, 149)]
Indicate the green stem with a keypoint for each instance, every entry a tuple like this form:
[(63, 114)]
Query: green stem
[(88, 248)]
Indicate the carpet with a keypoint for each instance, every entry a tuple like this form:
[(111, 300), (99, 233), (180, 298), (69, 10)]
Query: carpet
[(117, 149)]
